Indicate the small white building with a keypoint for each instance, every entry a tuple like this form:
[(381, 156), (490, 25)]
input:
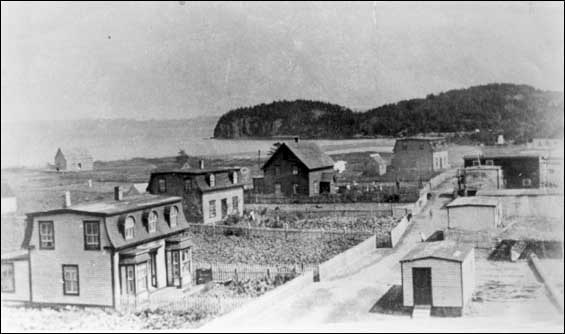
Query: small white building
[(379, 164), (474, 213), (439, 275), (9, 202)]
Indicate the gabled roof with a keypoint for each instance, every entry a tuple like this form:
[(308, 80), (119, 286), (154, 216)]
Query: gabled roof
[(112, 207), (473, 201), (138, 188), (309, 154), (378, 158), (445, 250), (75, 153), (6, 191)]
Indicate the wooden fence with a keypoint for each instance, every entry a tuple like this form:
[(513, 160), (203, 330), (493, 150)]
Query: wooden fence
[(183, 303), (222, 272), (286, 233)]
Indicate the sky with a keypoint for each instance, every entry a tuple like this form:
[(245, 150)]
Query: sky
[(183, 59)]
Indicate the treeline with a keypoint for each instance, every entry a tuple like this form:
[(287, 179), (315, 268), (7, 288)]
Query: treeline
[(519, 112)]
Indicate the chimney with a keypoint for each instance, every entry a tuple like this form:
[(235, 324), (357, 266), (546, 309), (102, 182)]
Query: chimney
[(67, 202), (296, 139), (118, 193), (201, 164)]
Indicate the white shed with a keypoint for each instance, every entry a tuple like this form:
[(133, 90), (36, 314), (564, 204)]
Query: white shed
[(440, 275), (475, 213)]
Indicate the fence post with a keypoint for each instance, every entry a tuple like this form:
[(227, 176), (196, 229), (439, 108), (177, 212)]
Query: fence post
[(235, 275)]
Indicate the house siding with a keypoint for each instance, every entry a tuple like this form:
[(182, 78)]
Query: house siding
[(468, 272), (94, 266), (21, 281), (417, 160), (473, 218), (218, 196), (446, 282), (285, 160)]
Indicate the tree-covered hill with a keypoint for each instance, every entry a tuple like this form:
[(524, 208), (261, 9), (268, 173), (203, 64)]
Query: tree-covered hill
[(519, 112)]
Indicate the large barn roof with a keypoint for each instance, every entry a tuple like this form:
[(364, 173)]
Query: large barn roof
[(445, 250), (309, 154)]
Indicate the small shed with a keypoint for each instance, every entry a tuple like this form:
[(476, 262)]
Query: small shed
[(379, 164), (475, 213), (9, 202), (440, 275), (73, 159)]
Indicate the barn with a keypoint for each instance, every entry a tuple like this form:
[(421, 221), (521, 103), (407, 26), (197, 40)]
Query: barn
[(438, 277), (475, 213), (73, 159)]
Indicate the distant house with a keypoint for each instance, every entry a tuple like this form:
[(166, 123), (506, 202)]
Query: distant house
[(475, 178), (73, 159), (137, 189), (520, 170), (378, 164), (419, 157), (474, 213), (106, 253), (299, 168), (438, 277), (209, 194), (9, 202)]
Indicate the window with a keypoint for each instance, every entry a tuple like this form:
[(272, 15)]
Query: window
[(91, 235), (70, 279), (212, 208), (489, 163), (404, 147), (277, 170), (162, 185), (295, 188), (129, 228), (421, 146), (476, 163), (8, 283), (152, 222), (187, 185), (277, 188), (153, 268), (130, 280), (212, 180), (173, 216), (141, 277), (46, 235), (235, 204), (294, 170), (185, 261), (234, 177)]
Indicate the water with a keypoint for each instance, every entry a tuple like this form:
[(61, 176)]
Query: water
[(34, 144)]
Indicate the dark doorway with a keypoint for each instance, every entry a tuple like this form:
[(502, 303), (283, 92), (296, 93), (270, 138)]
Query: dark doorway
[(224, 207), (422, 282), (325, 187)]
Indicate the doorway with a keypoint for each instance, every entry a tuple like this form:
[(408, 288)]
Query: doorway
[(325, 187), (422, 284)]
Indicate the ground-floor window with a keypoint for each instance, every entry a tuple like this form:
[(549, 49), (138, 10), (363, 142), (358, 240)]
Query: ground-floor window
[(141, 276), (235, 204), (185, 258), (8, 283), (212, 208), (153, 268), (70, 279)]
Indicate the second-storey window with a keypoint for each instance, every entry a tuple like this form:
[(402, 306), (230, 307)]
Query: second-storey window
[(46, 235), (187, 185), (294, 170), (91, 235), (152, 222), (234, 177), (129, 228), (212, 180), (173, 216), (212, 208), (162, 186)]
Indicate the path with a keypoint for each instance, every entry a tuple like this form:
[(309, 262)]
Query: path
[(347, 298)]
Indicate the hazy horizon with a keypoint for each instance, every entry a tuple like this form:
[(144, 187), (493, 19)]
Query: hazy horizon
[(165, 60)]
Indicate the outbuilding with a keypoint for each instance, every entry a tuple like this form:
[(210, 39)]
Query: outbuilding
[(439, 276), (474, 213), (73, 159)]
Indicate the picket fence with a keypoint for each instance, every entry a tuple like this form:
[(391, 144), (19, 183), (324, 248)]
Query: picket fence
[(183, 303), (222, 272)]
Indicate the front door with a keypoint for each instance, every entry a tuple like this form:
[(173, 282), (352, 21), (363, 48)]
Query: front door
[(422, 282), (224, 207), (325, 187)]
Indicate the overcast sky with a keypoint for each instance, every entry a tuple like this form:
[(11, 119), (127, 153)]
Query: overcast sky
[(174, 60)]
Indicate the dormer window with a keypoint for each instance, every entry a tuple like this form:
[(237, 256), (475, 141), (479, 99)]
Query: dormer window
[(172, 214), (294, 170), (212, 180), (152, 222), (129, 228), (234, 177), (162, 185)]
